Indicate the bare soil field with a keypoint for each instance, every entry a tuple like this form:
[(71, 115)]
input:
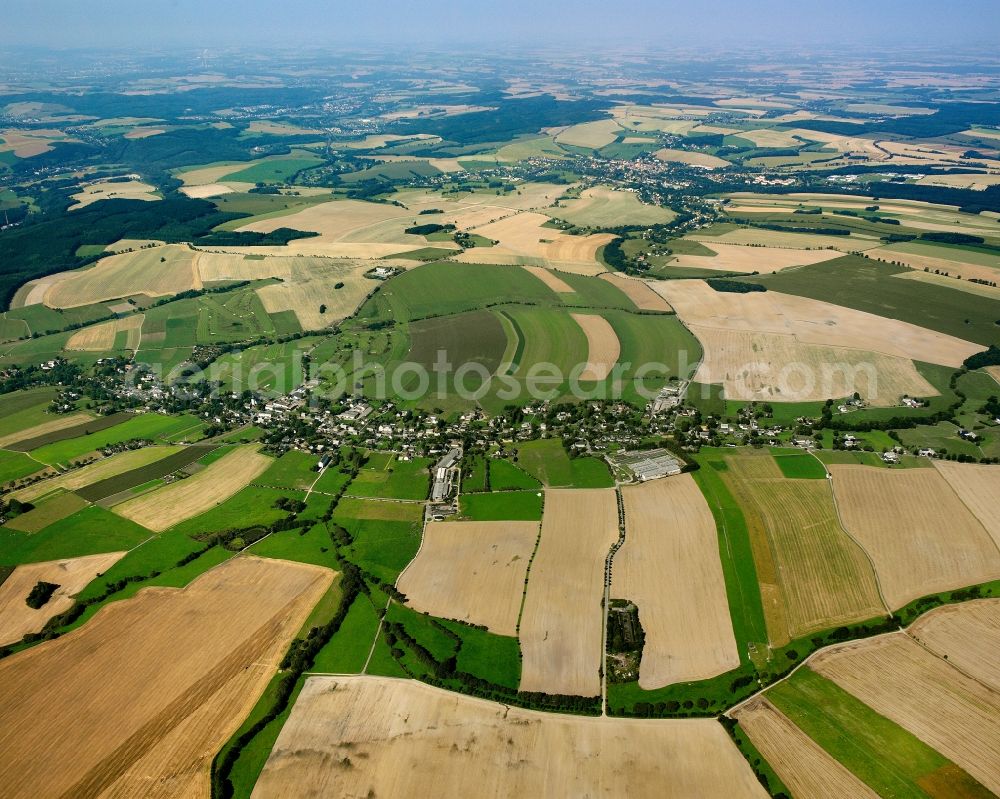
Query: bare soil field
[(126, 274), (72, 575), (551, 279), (772, 367), (471, 571), (765, 260), (603, 347), (967, 635), (97, 338), (916, 530), (810, 321), (59, 422), (197, 660), (209, 487), (978, 486), (669, 566), (93, 472), (107, 190), (803, 765), (812, 575), (370, 736), (642, 295), (562, 623), (691, 157), (924, 694)]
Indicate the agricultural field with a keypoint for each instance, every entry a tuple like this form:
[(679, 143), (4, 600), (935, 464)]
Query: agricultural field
[(669, 567), (517, 752), (812, 575), (118, 334), (53, 424), (967, 635), (803, 765), (69, 575), (900, 518), (471, 571), (194, 495), (198, 658), (561, 624), (602, 207), (923, 694), (546, 460), (747, 259), (976, 485), (387, 477), (108, 190)]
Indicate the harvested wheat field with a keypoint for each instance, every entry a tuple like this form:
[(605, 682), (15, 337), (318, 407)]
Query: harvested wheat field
[(810, 321), (669, 566), (523, 239), (923, 258), (812, 576), (109, 190), (803, 765), (183, 499), (370, 736), (337, 219), (772, 367), (967, 635), (642, 296), (562, 625), (691, 157), (127, 274), (916, 530), (603, 347), (550, 279), (206, 190), (923, 694), (601, 206), (592, 135), (783, 239), (978, 486), (311, 283), (93, 472), (994, 372), (72, 575), (471, 571), (159, 682), (765, 260), (59, 422), (103, 336)]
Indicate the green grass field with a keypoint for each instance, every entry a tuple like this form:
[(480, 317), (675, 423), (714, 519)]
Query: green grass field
[(392, 479), (294, 469), (87, 532), (505, 476), (383, 546), (489, 656), (547, 461), (883, 755), (20, 410), (250, 506), (15, 465), (502, 506), (798, 464), (279, 170), (348, 650), (438, 289), (153, 426)]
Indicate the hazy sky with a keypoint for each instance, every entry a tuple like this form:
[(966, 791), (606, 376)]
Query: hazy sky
[(134, 23)]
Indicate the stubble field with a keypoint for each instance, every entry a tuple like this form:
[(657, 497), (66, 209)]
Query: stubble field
[(367, 736), (158, 682), (669, 566)]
